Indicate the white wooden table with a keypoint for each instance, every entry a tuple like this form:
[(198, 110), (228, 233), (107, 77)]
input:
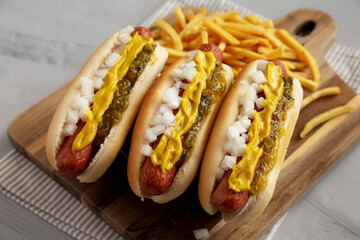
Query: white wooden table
[(44, 43)]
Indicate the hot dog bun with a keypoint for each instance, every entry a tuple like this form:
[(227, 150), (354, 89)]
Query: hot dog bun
[(187, 171), (214, 152), (113, 142)]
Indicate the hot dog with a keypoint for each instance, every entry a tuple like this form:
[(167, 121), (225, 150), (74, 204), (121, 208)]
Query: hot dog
[(249, 140), (174, 122), (92, 120)]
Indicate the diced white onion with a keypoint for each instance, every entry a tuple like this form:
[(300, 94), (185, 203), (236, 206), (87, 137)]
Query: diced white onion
[(87, 86), (228, 146), (248, 108), (183, 85), (101, 73), (80, 103), (251, 93), (245, 136), (73, 116), (97, 82), (258, 77), (239, 127), (167, 131), (128, 29), (176, 73), (69, 129), (262, 65), (82, 113), (164, 108), (168, 118), (177, 85), (201, 233), (146, 150), (245, 121), (185, 71), (259, 102), (119, 48), (90, 98), (219, 173), (238, 147), (232, 133), (171, 98), (190, 64), (189, 74), (150, 136), (257, 88), (124, 38), (112, 59), (228, 162), (103, 66), (192, 54), (157, 130), (169, 93)]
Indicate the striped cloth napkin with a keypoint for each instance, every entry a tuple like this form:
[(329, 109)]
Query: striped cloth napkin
[(27, 185)]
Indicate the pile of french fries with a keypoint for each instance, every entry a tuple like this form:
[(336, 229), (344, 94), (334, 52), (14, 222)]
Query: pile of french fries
[(242, 40)]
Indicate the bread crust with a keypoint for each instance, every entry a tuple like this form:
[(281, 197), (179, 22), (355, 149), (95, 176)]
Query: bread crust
[(214, 152), (187, 171), (113, 142)]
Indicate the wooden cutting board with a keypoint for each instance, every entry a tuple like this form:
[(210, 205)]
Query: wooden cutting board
[(307, 159)]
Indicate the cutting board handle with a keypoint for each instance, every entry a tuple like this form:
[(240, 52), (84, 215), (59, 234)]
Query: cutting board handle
[(314, 29)]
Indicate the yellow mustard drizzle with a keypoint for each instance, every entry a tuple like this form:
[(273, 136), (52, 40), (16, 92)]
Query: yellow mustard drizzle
[(243, 172), (105, 95), (169, 149)]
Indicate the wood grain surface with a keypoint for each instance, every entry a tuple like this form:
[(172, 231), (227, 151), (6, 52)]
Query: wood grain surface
[(307, 160)]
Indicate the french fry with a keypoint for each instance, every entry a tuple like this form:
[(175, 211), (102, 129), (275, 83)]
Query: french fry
[(177, 28), (181, 21), (295, 64), (323, 117), (222, 45), (190, 15), (171, 31), (244, 53), (249, 42), (175, 53), (242, 40), (245, 36), (254, 19), (194, 22), (302, 74), (267, 24), (162, 42), (234, 71), (165, 36), (272, 38), (171, 60), (330, 91), (239, 19), (289, 55), (301, 52), (204, 36), (195, 43), (236, 63), (228, 15), (275, 53), (214, 27), (229, 56), (306, 83), (156, 33), (246, 28)]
